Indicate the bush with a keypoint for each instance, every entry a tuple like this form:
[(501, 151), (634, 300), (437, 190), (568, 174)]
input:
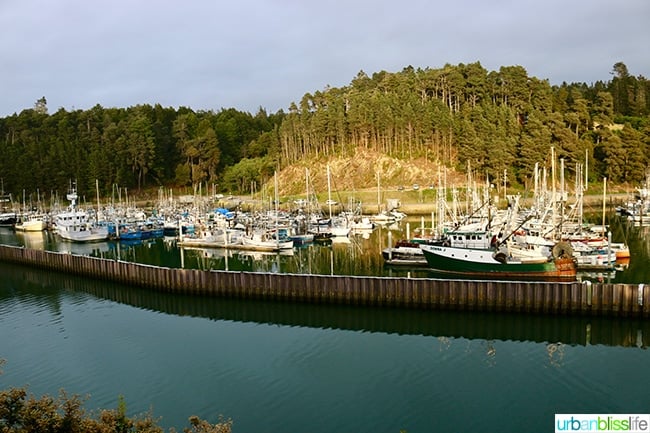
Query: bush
[(23, 413)]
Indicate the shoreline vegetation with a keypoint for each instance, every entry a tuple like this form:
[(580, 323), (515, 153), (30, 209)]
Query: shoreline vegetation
[(22, 412)]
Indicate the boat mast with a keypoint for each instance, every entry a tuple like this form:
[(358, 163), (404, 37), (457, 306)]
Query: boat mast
[(442, 194), (378, 194), (604, 202), (553, 194), (586, 169), (536, 188), (562, 199), (468, 189), (307, 202), (98, 207), (277, 217), (329, 192), (579, 193)]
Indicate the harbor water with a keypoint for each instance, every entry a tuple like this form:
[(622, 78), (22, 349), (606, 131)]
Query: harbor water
[(281, 367), (358, 254)]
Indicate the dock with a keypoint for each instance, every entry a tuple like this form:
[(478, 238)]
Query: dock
[(526, 297)]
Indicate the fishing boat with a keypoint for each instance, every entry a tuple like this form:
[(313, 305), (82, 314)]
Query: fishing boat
[(266, 240), (298, 232), (599, 259), (213, 237), (8, 219), (361, 224), (479, 254), (31, 222), (75, 224)]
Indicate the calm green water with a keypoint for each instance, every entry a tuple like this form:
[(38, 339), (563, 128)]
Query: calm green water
[(276, 367)]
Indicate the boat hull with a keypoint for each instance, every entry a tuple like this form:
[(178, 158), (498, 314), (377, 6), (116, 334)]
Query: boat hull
[(31, 226), (482, 263), (8, 219), (95, 234), (270, 246), (404, 254)]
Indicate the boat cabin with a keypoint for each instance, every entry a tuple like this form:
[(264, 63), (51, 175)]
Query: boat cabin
[(470, 239)]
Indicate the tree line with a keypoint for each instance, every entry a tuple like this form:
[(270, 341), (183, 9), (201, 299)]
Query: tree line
[(492, 121), (136, 147), (458, 115)]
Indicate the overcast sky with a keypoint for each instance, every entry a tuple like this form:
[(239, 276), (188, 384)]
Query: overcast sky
[(246, 54)]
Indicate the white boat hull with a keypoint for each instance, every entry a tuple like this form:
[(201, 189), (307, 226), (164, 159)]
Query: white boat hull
[(94, 234), (31, 226)]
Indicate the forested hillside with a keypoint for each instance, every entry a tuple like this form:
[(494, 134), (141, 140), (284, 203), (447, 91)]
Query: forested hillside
[(495, 122)]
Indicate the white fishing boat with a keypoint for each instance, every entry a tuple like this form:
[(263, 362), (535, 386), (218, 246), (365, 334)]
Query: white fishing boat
[(383, 218), (214, 237), (265, 241), (75, 224), (597, 259), (339, 228), (33, 222), (361, 224)]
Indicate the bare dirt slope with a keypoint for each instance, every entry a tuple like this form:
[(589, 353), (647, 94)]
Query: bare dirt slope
[(359, 173), (357, 176)]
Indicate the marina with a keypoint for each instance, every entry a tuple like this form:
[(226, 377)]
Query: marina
[(300, 275)]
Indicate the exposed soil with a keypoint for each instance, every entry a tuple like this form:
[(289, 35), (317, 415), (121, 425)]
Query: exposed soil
[(360, 172), (357, 177)]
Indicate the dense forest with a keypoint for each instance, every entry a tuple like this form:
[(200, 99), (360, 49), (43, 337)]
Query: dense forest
[(459, 116)]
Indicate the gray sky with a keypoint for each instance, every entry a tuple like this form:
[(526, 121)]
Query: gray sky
[(213, 54)]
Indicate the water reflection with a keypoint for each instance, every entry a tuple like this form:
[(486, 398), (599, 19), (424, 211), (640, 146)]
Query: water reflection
[(356, 255), (555, 354), (33, 240), (444, 325)]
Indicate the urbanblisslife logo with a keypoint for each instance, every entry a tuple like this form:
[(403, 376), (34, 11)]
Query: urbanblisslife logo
[(631, 423)]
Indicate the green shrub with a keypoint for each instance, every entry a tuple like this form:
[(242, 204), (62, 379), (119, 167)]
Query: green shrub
[(23, 413)]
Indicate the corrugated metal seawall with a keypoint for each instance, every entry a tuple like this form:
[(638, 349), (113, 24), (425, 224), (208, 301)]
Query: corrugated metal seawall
[(573, 298)]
